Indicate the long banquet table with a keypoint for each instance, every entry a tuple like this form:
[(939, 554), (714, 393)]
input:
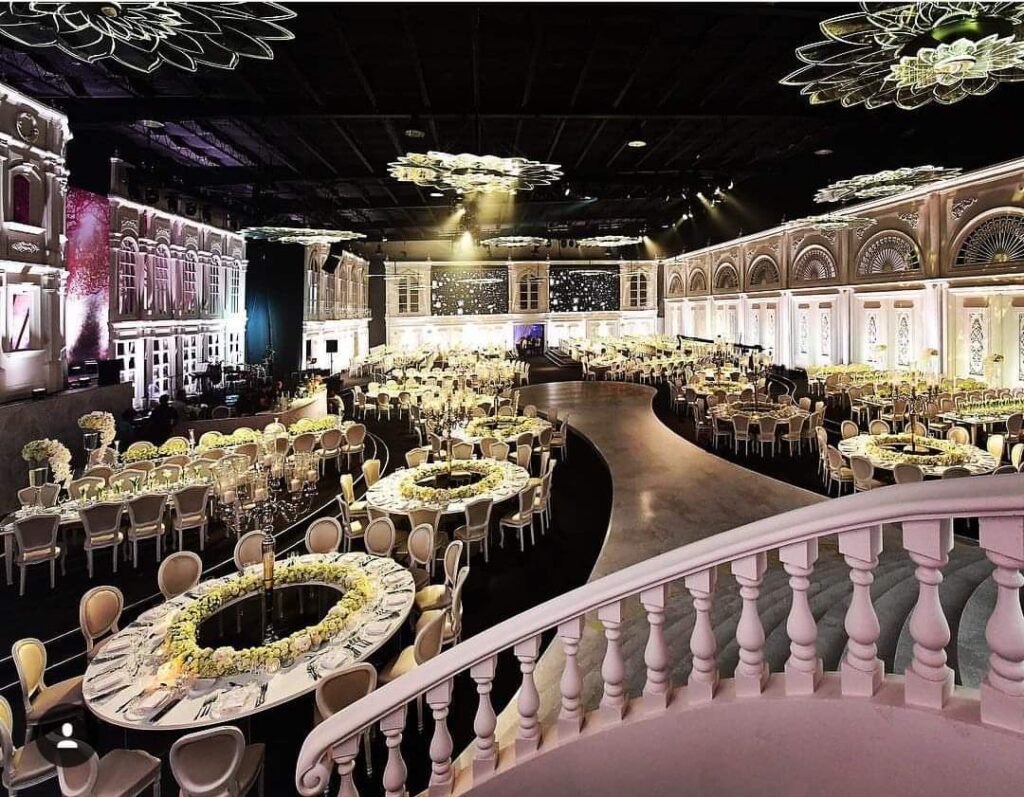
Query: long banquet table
[(121, 684)]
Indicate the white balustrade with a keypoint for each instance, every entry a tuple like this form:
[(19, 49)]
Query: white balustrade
[(924, 510), (486, 756), (803, 667), (929, 681), (528, 736), (703, 645), (658, 688), (861, 669), (570, 716)]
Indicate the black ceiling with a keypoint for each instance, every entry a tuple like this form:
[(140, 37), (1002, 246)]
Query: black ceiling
[(308, 136)]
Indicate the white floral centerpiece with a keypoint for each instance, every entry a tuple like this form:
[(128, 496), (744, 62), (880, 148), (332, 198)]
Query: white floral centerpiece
[(304, 425), (507, 426), (493, 474), (188, 657), (878, 449), (49, 452), (102, 422)]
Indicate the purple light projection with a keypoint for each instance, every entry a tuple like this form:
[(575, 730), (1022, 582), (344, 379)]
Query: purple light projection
[(88, 261)]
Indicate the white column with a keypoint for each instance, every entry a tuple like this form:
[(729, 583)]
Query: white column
[(844, 326), (784, 329)]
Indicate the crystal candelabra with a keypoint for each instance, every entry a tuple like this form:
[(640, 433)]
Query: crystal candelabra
[(446, 416), (917, 405)]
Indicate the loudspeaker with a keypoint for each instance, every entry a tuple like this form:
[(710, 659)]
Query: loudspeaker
[(332, 347), (109, 371), (331, 264)]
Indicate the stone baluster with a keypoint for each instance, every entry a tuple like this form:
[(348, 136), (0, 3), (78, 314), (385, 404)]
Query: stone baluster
[(928, 681), (395, 772), (613, 668), (703, 645), (485, 758), (659, 677), (803, 667), (344, 756), (439, 698), (570, 716), (528, 734), (751, 670), (861, 669), (1002, 691)]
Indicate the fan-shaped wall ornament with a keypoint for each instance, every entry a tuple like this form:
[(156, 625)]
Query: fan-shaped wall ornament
[(995, 240), (888, 252), (698, 282), (814, 263), (727, 278), (675, 284), (764, 273)]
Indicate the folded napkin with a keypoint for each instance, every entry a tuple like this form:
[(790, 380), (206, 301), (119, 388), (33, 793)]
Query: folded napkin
[(148, 704), (394, 601), (107, 682), (156, 613), (233, 700), (394, 579), (377, 629), (334, 659), (117, 645)]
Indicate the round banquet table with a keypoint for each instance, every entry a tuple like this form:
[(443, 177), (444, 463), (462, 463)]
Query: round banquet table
[(384, 495), (460, 433), (980, 462), (113, 692)]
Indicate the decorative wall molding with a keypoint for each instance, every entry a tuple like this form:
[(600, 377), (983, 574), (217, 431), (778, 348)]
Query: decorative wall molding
[(25, 247), (910, 218), (960, 206), (888, 252)]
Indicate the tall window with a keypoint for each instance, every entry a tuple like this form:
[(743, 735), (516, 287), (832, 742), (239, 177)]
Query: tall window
[(529, 293), (213, 287), (313, 292), (408, 295), (330, 294), (127, 289), (637, 290), (189, 361), (162, 280), (162, 370), (21, 199), (188, 282), (234, 285), (214, 351)]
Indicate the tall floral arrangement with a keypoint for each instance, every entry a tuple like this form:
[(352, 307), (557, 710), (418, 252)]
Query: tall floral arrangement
[(54, 453), (102, 422)]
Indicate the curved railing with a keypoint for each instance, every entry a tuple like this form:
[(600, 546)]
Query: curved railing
[(925, 511)]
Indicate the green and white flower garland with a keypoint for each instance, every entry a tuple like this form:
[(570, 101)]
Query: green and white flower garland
[(952, 453), (507, 426), (203, 662), (493, 475)]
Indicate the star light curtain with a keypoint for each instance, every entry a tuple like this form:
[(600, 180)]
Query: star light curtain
[(471, 174), (579, 289), (913, 54), (468, 290), (146, 34), (610, 241), (513, 241)]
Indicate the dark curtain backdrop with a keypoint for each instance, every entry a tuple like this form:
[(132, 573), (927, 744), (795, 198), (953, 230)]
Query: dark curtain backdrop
[(273, 303)]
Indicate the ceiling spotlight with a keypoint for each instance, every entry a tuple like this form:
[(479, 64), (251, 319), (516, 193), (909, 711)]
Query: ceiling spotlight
[(152, 124), (436, 194), (731, 184), (821, 153), (636, 143), (700, 196), (567, 190), (718, 190), (589, 198)]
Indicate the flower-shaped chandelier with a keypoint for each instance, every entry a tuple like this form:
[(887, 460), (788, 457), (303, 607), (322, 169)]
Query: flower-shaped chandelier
[(144, 34), (513, 241), (832, 222), (299, 235), (913, 54), (885, 183), (610, 241), (470, 174)]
